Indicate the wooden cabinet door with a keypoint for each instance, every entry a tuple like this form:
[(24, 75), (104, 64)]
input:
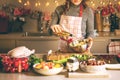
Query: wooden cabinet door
[(100, 45), (39, 45), (6, 45)]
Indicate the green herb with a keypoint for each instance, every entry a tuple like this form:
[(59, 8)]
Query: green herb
[(83, 57), (33, 60)]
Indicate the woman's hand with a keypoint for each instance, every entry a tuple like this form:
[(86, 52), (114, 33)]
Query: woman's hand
[(90, 43), (56, 29)]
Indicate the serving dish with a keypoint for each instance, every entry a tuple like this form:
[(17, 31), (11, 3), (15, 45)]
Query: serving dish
[(78, 45), (93, 66), (48, 71), (93, 69)]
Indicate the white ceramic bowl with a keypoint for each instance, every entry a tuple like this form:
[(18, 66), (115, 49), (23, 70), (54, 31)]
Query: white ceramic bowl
[(48, 72), (92, 69)]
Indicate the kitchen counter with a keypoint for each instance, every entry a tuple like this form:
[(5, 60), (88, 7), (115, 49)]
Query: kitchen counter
[(113, 75), (21, 36), (45, 43)]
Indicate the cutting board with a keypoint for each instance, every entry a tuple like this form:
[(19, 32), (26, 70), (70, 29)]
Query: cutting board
[(81, 74), (113, 66)]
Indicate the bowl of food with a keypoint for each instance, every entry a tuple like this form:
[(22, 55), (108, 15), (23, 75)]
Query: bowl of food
[(79, 45), (48, 68), (93, 66)]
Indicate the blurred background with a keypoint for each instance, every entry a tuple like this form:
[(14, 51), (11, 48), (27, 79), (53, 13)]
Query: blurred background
[(35, 15)]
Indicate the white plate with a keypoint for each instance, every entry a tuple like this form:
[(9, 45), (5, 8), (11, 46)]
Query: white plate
[(113, 66)]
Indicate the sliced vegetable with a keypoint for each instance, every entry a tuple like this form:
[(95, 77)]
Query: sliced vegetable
[(62, 61)]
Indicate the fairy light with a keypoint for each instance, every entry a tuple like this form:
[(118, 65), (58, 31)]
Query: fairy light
[(39, 4), (110, 3), (56, 4), (103, 3), (91, 2), (119, 2), (28, 2), (25, 4), (47, 4), (36, 4), (20, 1), (55, 1)]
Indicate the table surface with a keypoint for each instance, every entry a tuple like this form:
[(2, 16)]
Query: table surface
[(113, 75), (31, 75)]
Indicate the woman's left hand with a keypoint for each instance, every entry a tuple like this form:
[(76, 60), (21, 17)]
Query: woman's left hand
[(90, 43)]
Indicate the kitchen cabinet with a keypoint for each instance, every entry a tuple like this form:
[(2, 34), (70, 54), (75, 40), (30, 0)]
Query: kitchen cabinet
[(45, 43), (6, 45), (100, 45), (39, 45)]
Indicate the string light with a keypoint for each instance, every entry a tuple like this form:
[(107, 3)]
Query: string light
[(37, 4), (93, 3), (119, 2), (101, 2), (25, 4), (47, 4), (55, 1), (28, 2), (57, 4), (20, 1)]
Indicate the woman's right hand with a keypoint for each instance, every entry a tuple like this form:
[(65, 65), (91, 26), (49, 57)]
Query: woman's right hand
[(56, 29)]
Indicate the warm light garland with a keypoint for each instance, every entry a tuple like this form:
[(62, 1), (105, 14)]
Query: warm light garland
[(93, 3), (47, 4), (20, 1), (37, 3), (119, 2)]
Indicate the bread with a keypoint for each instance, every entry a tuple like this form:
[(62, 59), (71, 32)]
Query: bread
[(60, 56), (57, 56)]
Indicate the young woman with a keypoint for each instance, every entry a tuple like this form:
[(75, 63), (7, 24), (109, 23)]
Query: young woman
[(76, 18)]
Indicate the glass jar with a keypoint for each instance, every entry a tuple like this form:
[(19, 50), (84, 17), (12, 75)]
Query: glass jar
[(98, 20), (106, 24)]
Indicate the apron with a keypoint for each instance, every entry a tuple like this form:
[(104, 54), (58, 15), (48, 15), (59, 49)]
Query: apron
[(73, 25)]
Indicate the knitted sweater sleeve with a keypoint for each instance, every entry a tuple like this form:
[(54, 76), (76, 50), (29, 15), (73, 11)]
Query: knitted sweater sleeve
[(90, 23)]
